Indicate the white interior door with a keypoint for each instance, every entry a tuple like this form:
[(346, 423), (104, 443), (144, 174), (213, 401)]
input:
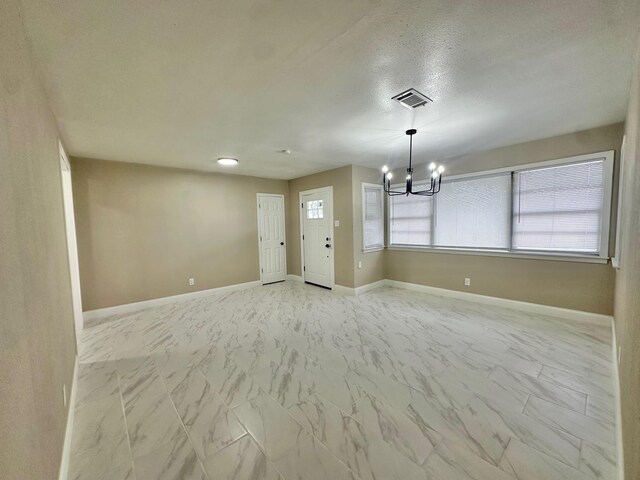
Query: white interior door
[(72, 246), (273, 264), (317, 236)]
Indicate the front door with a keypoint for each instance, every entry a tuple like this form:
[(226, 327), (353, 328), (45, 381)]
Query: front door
[(273, 266), (317, 241)]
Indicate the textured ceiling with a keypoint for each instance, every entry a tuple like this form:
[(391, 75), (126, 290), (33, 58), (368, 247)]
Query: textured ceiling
[(182, 82)]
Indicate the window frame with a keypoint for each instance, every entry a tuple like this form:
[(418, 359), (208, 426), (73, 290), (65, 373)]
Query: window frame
[(601, 257), (376, 186)]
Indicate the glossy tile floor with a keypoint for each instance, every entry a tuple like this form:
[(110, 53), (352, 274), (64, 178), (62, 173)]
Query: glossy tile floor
[(291, 381)]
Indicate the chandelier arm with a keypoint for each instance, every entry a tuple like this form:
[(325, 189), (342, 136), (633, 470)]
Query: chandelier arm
[(388, 191), (425, 193), (394, 192)]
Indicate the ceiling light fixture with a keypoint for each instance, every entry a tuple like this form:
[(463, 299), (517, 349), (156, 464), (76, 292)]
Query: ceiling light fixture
[(227, 162), (434, 181)]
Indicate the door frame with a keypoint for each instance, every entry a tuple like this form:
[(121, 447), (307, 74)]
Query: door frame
[(329, 190), (72, 244), (284, 229)]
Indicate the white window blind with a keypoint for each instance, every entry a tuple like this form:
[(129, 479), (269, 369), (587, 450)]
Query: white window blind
[(410, 220), (559, 208), (373, 216), (474, 213)]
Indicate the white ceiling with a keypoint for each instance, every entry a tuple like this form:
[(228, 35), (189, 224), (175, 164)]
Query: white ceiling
[(182, 82)]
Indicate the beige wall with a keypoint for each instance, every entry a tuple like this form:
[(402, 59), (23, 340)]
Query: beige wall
[(341, 181), (373, 261), (627, 295), (143, 230), (580, 286), (37, 342)]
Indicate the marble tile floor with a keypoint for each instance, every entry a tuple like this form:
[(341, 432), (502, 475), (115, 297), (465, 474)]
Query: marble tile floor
[(290, 381)]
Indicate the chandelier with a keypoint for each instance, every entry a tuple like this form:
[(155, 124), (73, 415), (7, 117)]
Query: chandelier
[(434, 179)]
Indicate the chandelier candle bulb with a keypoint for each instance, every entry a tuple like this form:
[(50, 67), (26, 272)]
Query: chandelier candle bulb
[(385, 169), (432, 166)]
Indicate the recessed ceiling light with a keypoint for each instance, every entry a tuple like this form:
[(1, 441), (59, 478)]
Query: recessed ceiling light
[(228, 162)]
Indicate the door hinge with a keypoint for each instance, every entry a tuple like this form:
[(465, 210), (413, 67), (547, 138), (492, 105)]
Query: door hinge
[(304, 269), (260, 237), (302, 237), (262, 270), (302, 205)]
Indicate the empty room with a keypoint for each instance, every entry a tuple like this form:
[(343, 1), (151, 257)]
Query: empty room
[(320, 240)]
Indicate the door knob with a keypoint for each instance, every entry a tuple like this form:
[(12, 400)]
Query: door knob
[(328, 245), (281, 243)]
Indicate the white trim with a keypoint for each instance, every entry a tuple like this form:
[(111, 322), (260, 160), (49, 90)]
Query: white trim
[(503, 253), (64, 157), (536, 308), (66, 448), (616, 394), (606, 154), (101, 313), (328, 189), (370, 286), (607, 190), (294, 278), (374, 249), (71, 237), (616, 260), (284, 230), (344, 290), (378, 187)]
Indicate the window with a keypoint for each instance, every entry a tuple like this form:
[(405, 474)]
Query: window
[(473, 213), (372, 216), (315, 209), (559, 207), (410, 220)]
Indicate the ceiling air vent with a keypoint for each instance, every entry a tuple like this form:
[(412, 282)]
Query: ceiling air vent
[(412, 98)]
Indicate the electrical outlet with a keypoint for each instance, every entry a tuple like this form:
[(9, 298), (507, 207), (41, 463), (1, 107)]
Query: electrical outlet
[(467, 282), (359, 263), (192, 281), (619, 354), (64, 394)]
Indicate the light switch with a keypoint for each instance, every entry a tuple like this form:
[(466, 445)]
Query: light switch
[(336, 223)]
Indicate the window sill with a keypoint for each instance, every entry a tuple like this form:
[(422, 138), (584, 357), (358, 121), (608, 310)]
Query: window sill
[(554, 257), (373, 249)]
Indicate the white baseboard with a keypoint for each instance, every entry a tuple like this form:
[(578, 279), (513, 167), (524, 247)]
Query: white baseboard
[(595, 318), (344, 290), (92, 315), (370, 286), (616, 394), (536, 308), (66, 449)]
